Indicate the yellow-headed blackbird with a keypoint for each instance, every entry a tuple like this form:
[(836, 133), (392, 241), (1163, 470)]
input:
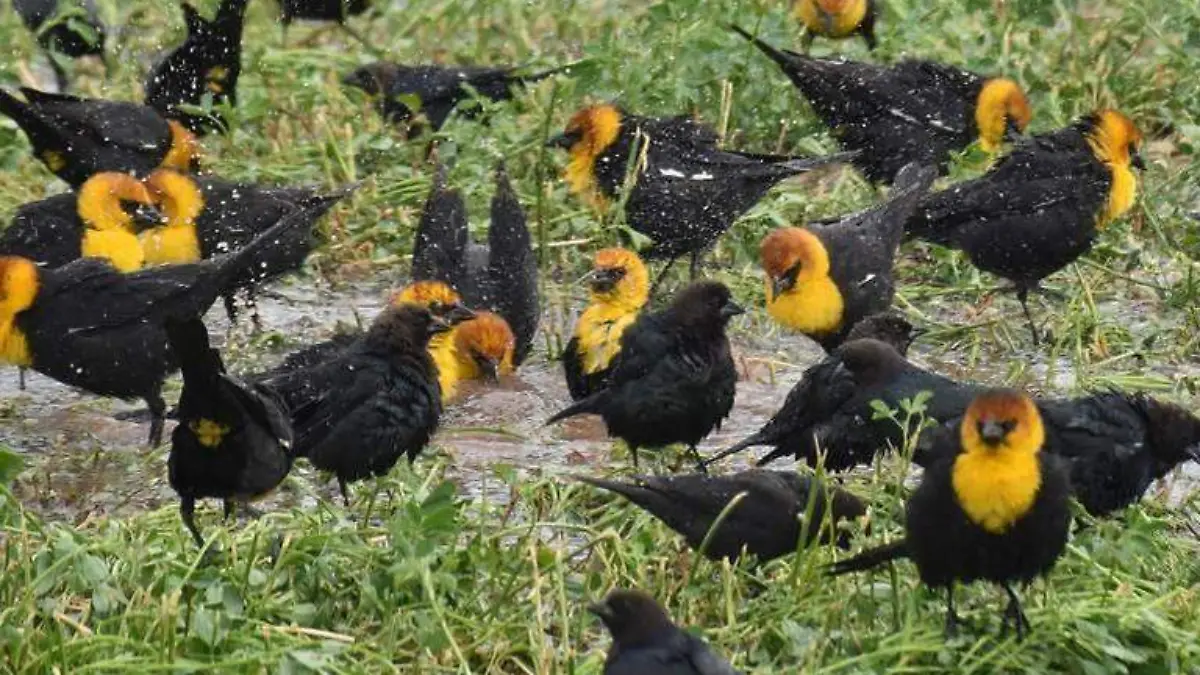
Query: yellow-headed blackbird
[(837, 19), (779, 507), (77, 137), (88, 325), (439, 89), (646, 642), (914, 111), (687, 192), (500, 276), (993, 507), (204, 217), (619, 286), (357, 414), (233, 441), (70, 28), (321, 10), (674, 379), (482, 350), (1114, 445), (1040, 207), (203, 70), (91, 223), (829, 412), (823, 279)]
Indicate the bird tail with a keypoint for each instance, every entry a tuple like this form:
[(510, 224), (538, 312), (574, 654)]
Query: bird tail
[(512, 266), (806, 164), (526, 79), (624, 489), (198, 361), (252, 262), (231, 11), (911, 185), (21, 113), (591, 404), (870, 558), (788, 60), (441, 241), (749, 442)]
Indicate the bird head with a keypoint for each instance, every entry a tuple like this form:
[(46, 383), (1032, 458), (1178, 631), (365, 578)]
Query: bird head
[(619, 276), (888, 327), (1002, 422), (705, 304), (632, 617), (1114, 138), (19, 282), (436, 295), (184, 153), (589, 133), (1001, 113), (103, 199), (870, 361), (372, 78), (789, 253), (485, 346), (407, 328), (177, 195)]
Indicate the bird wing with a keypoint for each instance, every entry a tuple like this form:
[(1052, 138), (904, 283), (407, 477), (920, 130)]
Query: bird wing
[(441, 240), (129, 126), (512, 267)]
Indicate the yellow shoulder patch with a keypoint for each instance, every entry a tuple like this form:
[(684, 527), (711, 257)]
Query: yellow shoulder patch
[(208, 432)]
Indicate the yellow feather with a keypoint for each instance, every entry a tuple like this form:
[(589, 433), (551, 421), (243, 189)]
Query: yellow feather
[(843, 17), (996, 485), (814, 306), (208, 433), (121, 248), (18, 291), (599, 331), (441, 348), (170, 244), (600, 126)]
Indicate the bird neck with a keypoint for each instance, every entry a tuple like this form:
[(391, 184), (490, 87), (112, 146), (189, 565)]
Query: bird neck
[(441, 350), (813, 305), (599, 332), (996, 488), (1114, 155), (119, 247)]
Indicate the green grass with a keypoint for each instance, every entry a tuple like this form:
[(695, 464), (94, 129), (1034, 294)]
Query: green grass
[(419, 579)]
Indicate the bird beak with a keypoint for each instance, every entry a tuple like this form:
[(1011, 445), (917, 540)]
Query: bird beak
[(490, 368), (439, 325), (731, 309), (782, 284), (457, 314), (1135, 158), (1012, 133), (917, 333), (564, 140), (603, 280), (601, 610), (992, 432)]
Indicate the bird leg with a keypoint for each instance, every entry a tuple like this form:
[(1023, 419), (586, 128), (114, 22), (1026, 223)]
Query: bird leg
[(187, 511), (952, 619), (1014, 614), (21, 378), (1023, 298), (661, 275), (229, 509), (345, 491), (158, 415), (694, 267), (700, 465)]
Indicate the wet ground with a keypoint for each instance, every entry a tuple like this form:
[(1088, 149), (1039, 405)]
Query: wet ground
[(83, 460)]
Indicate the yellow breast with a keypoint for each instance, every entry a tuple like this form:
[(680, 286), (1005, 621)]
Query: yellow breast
[(170, 244), (843, 24), (119, 246), (1122, 193), (996, 490), (14, 348), (813, 306), (599, 331), (441, 349)]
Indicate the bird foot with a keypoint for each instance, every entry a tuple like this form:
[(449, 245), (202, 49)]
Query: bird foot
[(1015, 617)]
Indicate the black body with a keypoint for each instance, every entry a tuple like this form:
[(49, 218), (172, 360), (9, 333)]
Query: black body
[(674, 379), (767, 523), (76, 29), (251, 454), (48, 231), (207, 63), (321, 10)]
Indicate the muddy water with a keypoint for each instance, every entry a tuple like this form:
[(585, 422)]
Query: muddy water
[(85, 459)]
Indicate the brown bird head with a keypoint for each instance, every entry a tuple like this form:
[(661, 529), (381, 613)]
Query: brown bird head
[(407, 328), (888, 327), (704, 305), (1002, 421), (789, 252), (870, 361), (19, 283), (372, 78), (619, 276), (1001, 113), (484, 347), (633, 618)]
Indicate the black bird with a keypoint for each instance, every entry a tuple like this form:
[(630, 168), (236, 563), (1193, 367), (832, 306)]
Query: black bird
[(993, 506), (830, 410), (646, 642), (233, 440), (205, 66), (913, 111), (779, 509), (88, 325), (1114, 445), (889, 327), (77, 137), (1039, 208), (439, 89), (686, 193), (378, 400), (674, 379), (71, 28), (321, 10), (501, 276), (823, 279)]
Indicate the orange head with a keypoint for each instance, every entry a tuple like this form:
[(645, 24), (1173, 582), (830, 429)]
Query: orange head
[(436, 295), (589, 133), (789, 252), (619, 275), (1002, 421), (484, 346), (19, 284), (1114, 138), (1001, 112)]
